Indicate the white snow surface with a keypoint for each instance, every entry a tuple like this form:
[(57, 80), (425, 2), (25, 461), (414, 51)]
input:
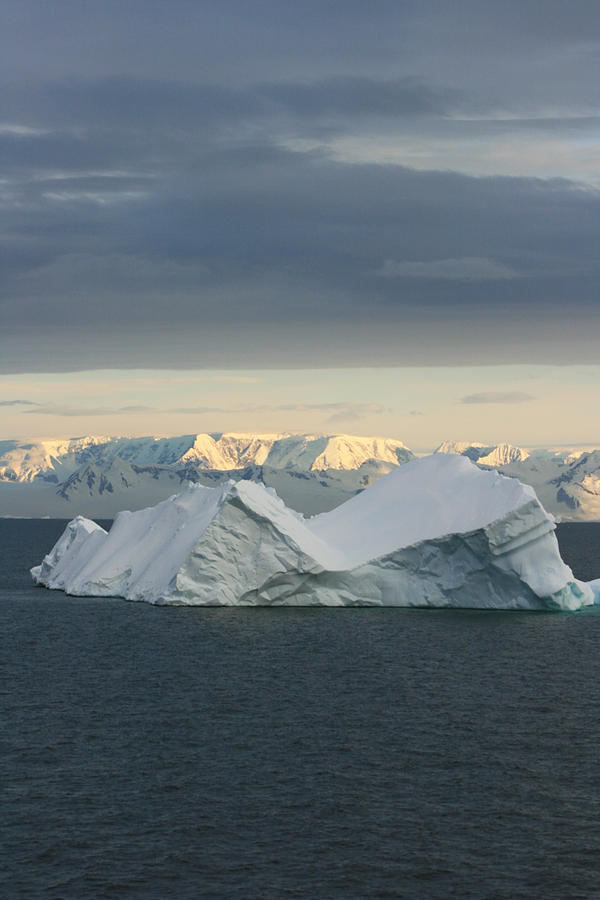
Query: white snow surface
[(486, 455), (27, 461), (437, 531), (459, 447), (503, 455)]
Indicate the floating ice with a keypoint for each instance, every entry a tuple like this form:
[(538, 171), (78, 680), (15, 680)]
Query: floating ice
[(437, 531)]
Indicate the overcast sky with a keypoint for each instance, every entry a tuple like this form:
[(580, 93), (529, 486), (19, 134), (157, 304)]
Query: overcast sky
[(260, 186)]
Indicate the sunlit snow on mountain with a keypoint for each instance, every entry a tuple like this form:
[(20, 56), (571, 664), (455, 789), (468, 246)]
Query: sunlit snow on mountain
[(98, 475)]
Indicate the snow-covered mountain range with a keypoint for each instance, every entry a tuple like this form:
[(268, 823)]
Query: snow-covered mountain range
[(492, 456), (98, 475)]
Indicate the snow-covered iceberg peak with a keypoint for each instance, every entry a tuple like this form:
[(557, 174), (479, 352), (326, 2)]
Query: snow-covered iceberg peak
[(438, 531)]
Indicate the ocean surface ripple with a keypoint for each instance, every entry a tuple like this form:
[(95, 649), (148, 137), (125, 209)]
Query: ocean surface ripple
[(322, 753)]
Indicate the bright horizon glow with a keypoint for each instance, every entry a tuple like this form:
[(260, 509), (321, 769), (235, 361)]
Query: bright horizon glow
[(527, 405)]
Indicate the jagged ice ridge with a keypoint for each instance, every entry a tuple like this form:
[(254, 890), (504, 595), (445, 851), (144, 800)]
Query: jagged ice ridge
[(435, 532)]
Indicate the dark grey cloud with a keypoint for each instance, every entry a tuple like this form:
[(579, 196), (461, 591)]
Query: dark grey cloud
[(48, 115), (498, 397), (296, 236), (187, 186), (235, 43)]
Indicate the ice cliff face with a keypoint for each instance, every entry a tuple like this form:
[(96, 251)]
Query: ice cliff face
[(435, 532)]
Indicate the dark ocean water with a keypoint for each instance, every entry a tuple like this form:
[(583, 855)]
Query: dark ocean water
[(309, 753)]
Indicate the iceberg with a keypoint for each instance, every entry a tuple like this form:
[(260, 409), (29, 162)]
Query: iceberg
[(436, 532)]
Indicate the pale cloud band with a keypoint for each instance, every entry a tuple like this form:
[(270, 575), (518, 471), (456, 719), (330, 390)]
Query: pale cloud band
[(498, 397), (335, 412), (469, 268), (10, 403)]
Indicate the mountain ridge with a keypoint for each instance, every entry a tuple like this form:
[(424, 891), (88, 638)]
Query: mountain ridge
[(98, 475), (224, 451)]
